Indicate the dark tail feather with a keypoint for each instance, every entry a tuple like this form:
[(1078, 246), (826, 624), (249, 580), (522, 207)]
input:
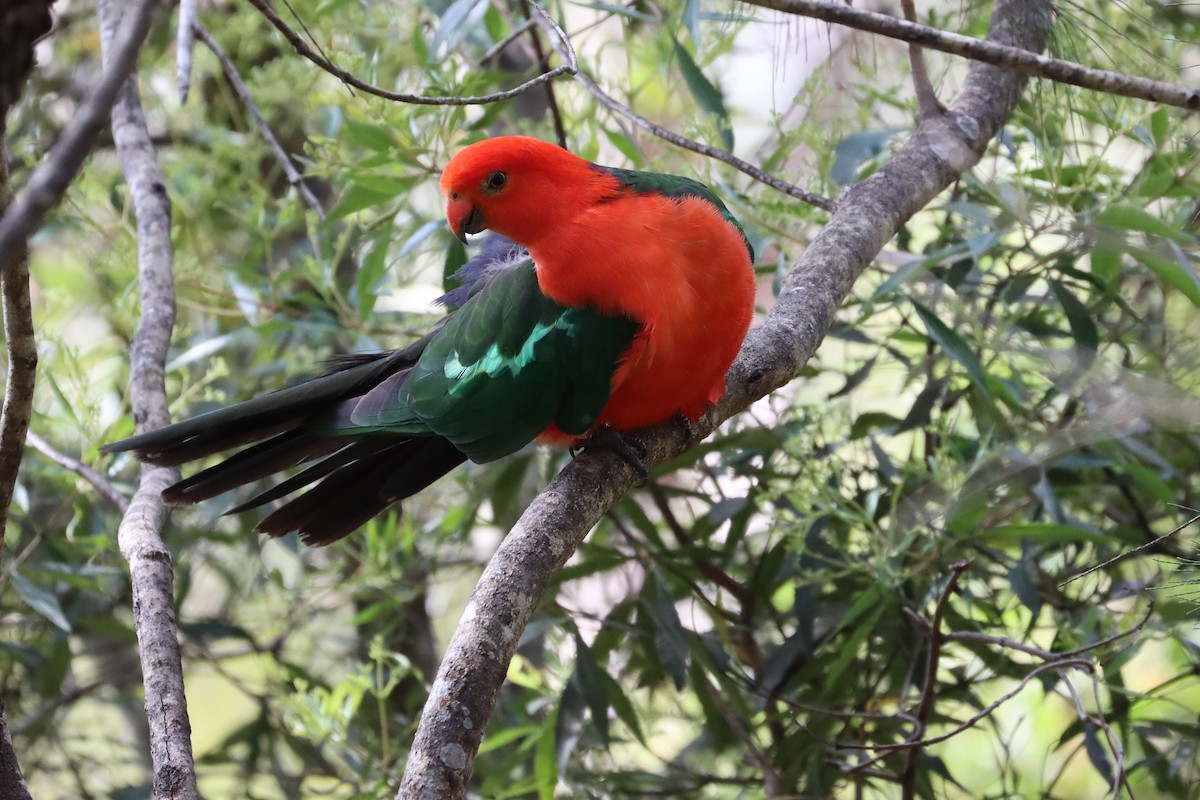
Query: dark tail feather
[(360, 475), (254, 463), (359, 449), (268, 415), (356, 492)]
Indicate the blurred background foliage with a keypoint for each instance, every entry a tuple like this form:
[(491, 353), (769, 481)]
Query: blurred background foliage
[(1008, 399)]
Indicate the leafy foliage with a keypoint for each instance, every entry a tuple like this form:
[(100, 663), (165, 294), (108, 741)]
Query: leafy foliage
[(1007, 401)]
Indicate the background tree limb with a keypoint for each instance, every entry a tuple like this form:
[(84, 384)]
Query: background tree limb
[(50, 180), (868, 215), (21, 25), (140, 533), (991, 52)]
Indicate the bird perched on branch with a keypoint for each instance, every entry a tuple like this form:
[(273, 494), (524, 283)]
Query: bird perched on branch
[(621, 305)]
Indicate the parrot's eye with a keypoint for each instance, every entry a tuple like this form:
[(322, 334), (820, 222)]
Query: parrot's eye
[(495, 182)]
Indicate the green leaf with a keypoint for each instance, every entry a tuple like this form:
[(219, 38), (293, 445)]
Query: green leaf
[(669, 640), (1097, 752), (848, 650), (372, 137), (625, 145), (707, 96), (954, 346), (1078, 317), (371, 272), (593, 686), (456, 23), (620, 11), (545, 765), (506, 735), (41, 601), (1160, 126), (1040, 531), (1172, 272), (356, 199), (691, 20), (1106, 259), (854, 150), (1131, 218)]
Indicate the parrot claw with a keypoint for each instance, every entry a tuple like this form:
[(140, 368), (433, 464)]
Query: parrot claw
[(689, 430), (631, 449)]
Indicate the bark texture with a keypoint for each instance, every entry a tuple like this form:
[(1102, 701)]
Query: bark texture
[(140, 534), (868, 215), (22, 23)]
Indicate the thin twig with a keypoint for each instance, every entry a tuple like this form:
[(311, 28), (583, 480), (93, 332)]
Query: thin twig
[(512, 36), (543, 60), (98, 481), (705, 567), (52, 177), (1069, 663), (1048, 655), (1098, 720), (185, 44), (772, 781), (928, 104), (1023, 61), (1128, 553), (908, 780), (679, 140), (303, 49), (264, 130)]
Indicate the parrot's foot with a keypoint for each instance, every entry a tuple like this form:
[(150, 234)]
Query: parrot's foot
[(631, 449), (689, 430)]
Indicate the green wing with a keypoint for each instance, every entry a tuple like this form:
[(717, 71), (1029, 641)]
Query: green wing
[(503, 368), (675, 186)]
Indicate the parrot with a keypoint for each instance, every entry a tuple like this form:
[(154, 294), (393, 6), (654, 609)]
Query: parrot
[(605, 300)]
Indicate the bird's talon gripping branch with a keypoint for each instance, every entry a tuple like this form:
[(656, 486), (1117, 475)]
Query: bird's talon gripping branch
[(689, 430), (630, 448)]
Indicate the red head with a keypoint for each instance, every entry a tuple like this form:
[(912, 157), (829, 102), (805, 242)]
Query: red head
[(518, 186)]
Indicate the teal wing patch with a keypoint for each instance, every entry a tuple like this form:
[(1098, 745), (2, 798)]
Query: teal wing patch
[(504, 367)]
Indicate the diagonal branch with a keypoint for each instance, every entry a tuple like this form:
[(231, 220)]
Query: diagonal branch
[(98, 481), (140, 534), (52, 177), (679, 140), (868, 215), (239, 87), (297, 41), (990, 51)]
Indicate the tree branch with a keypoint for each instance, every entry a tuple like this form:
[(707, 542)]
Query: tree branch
[(908, 779), (21, 25), (264, 130), (52, 177), (679, 140), (867, 216), (928, 104), (98, 481), (185, 44), (140, 534), (297, 41), (991, 52)]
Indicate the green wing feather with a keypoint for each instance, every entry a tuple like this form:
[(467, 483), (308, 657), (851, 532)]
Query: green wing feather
[(502, 369)]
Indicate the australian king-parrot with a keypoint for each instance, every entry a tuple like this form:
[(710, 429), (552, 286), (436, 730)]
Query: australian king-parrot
[(604, 297)]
